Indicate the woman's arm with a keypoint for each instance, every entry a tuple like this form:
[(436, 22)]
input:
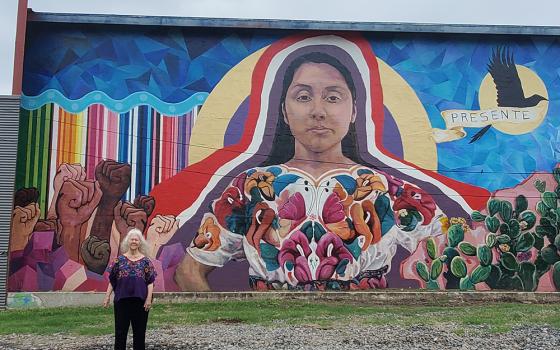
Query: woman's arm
[(148, 302), (108, 295)]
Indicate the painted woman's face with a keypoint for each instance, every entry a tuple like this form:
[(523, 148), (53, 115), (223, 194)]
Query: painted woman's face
[(318, 107)]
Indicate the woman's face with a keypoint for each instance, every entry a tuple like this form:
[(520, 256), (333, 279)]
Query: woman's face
[(134, 242), (318, 107)]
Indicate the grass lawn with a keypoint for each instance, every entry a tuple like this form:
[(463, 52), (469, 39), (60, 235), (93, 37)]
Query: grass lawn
[(98, 321)]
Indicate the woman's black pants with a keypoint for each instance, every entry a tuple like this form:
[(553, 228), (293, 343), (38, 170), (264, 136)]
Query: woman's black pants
[(130, 311)]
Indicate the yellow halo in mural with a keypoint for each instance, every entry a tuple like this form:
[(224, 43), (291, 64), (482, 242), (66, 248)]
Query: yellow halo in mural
[(411, 118), (219, 108), (399, 98), (532, 84)]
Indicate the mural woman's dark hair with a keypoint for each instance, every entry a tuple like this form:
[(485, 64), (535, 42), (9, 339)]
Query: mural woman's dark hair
[(283, 145)]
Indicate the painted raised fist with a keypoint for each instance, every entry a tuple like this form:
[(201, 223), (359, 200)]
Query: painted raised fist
[(113, 178), (160, 231), (23, 222), (127, 217), (148, 203), (76, 201), (66, 172), (95, 253), (25, 196)]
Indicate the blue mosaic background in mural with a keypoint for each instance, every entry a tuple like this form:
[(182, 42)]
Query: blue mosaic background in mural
[(174, 64), (124, 60), (446, 73)]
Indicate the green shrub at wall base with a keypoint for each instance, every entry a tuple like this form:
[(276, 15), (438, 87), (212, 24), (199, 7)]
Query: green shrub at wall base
[(528, 275)]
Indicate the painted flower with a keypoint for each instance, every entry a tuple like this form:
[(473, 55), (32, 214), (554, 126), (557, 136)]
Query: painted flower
[(525, 256), (504, 247), (416, 199), (231, 200), (334, 217), (333, 256), (342, 229), (294, 258), (333, 210), (394, 184), (208, 236), (366, 184), (291, 212), (345, 199), (262, 180), (366, 222), (261, 222), (370, 283), (462, 222), (293, 209), (445, 225), (239, 182)]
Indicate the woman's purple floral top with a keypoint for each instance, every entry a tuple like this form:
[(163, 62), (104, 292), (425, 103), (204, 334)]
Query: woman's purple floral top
[(130, 279), (338, 231)]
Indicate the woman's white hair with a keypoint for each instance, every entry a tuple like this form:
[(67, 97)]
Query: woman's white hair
[(143, 248)]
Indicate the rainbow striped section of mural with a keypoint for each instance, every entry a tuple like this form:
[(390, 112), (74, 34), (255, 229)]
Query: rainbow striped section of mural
[(154, 144)]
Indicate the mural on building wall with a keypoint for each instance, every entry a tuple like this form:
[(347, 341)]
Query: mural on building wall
[(282, 160)]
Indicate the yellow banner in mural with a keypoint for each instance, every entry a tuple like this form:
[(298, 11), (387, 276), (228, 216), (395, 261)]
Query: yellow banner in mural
[(457, 119)]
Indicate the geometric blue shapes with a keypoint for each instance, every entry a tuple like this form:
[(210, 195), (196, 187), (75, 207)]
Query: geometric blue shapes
[(199, 85), (170, 63)]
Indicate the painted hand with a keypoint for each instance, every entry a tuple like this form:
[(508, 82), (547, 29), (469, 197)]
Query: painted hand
[(96, 252), (23, 222), (160, 231), (66, 172), (25, 196), (114, 179), (148, 203), (127, 217), (77, 201)]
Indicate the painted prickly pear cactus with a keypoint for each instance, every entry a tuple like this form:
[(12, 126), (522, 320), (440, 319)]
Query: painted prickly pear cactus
[(521, 245), (453, 259), (511, 237)]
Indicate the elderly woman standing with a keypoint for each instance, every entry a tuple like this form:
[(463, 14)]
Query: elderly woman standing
[(131, 277)]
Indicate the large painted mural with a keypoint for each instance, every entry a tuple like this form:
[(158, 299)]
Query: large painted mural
[(259, 159)]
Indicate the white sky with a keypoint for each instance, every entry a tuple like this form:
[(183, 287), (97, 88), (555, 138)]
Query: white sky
[(537, 12)]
